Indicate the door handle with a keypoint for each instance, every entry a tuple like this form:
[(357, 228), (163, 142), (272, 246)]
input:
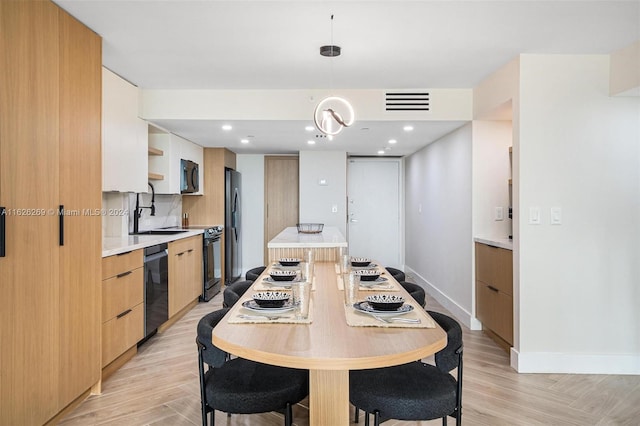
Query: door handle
[(61, 220), (3, 224)]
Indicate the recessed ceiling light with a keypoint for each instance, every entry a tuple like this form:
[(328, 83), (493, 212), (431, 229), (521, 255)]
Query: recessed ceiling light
[(381, 152), (309, 128), (227, 127), (311, 142), (407, 128), (244, 140), (392, 141)]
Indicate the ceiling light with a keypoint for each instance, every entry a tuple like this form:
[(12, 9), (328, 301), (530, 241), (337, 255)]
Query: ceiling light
[(407, 128), (311, 142), (309, 128), (392, 141), (333, 113), (244, 140), (381, 152), (227, 127)]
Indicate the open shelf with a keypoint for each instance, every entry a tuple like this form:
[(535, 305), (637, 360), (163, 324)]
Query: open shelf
[(155, 176), (155, 151)]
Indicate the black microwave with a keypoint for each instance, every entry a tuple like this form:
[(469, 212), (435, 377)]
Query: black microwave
[(189, 177)]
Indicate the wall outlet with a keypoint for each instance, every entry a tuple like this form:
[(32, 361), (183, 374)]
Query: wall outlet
[(499, 213)]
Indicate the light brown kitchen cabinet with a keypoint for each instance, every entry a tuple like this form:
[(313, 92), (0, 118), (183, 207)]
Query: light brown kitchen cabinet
[(122, 304), (494, 292), (185, 272), (49, 162)]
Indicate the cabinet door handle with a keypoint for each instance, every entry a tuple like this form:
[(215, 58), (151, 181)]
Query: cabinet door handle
[(122, 254), (3, 224), (492, 288), (180, 254), (124, 274), (189, 251), (61, 220), (124, 313)]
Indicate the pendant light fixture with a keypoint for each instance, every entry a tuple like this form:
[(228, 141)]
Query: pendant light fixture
[(333, 113)]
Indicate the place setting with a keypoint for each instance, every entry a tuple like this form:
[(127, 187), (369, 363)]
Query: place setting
[(266, 307), (386, 310)]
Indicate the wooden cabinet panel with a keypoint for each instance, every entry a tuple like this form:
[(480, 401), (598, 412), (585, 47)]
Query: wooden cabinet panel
[(185, 272), (29, 132), (121, 292), (80, 189), (120, 334), (281, 177), (119, 263), (494, 289)]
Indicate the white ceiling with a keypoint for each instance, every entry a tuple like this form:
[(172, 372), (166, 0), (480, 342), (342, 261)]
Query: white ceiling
[(394, 44)]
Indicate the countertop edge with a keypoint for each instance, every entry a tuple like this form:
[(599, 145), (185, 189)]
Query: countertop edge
[(504, 243), (117, 245)]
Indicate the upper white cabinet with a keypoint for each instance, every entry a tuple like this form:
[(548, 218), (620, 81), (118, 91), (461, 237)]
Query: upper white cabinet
[(124, 137), (164, 170)]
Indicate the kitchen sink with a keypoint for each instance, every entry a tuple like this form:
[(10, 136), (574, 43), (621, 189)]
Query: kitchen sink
[(159, 232)]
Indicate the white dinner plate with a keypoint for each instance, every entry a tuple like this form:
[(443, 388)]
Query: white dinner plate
[(285, 284), (254, 307), (366, 308), (369, 266)]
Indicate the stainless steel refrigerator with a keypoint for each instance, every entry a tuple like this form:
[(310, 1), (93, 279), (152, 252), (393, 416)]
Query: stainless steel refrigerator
[(232, 227)]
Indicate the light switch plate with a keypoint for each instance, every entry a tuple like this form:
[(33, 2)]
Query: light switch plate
[(534, 216), (556, 215), (334, 208), (499, 213)]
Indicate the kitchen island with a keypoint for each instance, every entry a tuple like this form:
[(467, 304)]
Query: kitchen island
[(326, 245)]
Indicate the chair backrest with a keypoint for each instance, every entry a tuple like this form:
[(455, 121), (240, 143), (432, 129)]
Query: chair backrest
[(448, 358), (211, 354), (233, 292)]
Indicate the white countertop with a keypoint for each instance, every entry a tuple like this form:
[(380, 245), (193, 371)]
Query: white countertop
[(289, 237), (116, 245), (504, 243)]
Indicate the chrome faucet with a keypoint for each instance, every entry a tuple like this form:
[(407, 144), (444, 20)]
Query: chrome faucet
[(138, 210)]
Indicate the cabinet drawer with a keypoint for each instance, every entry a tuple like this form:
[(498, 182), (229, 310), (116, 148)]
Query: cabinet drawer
[(122, 292), (184, 244), (494, 266), (120, 334), (119, 263), (495, 310)]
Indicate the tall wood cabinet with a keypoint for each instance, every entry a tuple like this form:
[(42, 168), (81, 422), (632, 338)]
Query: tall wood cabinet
[(494, 292), (49, 157)]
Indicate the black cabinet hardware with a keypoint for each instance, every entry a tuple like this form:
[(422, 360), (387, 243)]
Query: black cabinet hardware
[(124, 274), (3, 224), (122, 254), (61, 219), (492, 288), (123, 314)]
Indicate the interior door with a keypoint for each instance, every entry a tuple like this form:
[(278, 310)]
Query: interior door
[(374, 189), (280, 196)]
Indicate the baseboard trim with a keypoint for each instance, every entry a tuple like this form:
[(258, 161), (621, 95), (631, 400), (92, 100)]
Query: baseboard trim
[(458, 311), (564, 363)]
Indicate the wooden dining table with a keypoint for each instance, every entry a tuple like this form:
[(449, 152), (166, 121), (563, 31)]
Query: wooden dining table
[(328, 347)]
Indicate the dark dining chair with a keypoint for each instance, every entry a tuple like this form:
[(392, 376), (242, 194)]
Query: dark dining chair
[(416, 292), (233, 292), (397, 274), (414, 391), (254, 273), (240, 386)]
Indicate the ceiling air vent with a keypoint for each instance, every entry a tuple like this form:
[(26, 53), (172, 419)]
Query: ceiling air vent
[(395, 101)]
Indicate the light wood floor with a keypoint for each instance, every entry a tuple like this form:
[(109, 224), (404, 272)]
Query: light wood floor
[(160, 386)]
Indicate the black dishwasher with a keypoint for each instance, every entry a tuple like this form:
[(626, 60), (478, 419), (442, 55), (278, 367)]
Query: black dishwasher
[(156, 291)]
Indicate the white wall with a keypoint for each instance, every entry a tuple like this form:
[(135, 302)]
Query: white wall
[(491, 173), (438, 220), (316, 200), (252, 169), (579, 281), (625, 71)]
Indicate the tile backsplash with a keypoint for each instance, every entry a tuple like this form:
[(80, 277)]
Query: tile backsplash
[(119, 207)]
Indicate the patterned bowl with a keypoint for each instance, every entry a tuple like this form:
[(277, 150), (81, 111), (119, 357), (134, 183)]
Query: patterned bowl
[(289, 261), (385, 302), (270, 299), (283, 275), (360, 261), (368, 274)]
